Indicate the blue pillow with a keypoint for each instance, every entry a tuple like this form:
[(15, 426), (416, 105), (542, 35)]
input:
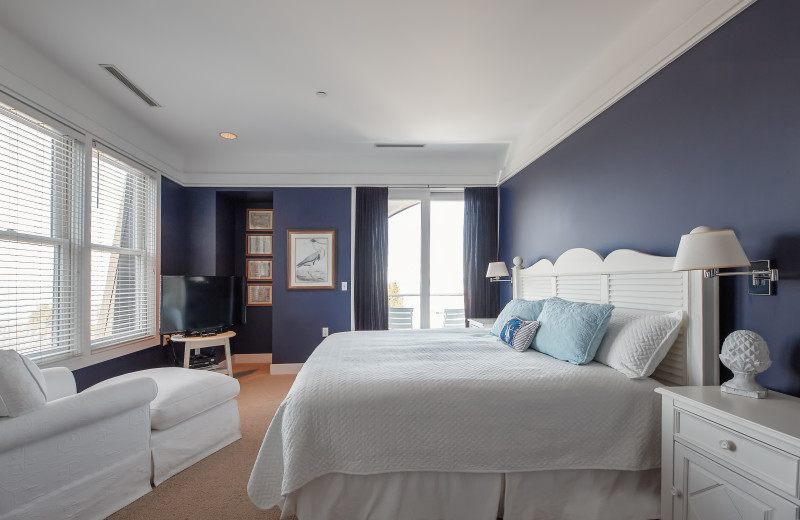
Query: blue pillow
[(518, 333), (572, 331), (526, 310)]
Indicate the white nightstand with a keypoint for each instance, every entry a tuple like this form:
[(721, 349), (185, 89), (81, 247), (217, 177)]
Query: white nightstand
[(481, 323), (725, 456)]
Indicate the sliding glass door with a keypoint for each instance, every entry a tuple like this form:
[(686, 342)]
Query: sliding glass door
[(425, 259), (447, 260)]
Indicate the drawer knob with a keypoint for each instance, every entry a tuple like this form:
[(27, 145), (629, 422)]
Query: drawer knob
[(675, 492), (727, 445)]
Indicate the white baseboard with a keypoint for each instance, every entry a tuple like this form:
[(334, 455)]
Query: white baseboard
[(285, 368), (248, 358)]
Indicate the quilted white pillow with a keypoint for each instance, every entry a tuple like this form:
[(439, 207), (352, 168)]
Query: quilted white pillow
[(635, 344), (22, 386)]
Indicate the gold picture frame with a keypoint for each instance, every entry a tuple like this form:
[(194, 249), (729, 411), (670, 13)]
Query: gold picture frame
[(259, 270), (258, 245), (259, 220), (259, 295)]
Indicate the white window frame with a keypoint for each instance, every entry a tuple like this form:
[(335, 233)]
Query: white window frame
[(140, 250), (85, 355), (70, 236)]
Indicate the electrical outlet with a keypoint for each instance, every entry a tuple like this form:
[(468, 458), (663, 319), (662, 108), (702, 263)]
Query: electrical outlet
[(165, 340), (344, 286), (324, 332)]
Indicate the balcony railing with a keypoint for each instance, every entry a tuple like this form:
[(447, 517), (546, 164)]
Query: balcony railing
[(438, 303)]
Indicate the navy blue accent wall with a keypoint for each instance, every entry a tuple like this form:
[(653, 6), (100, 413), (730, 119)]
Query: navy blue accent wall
[(173, 228), (201, 232), (148, 358), (225, 236), (298, 316), (712, 139)]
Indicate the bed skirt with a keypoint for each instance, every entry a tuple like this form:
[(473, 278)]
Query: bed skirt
[(543, 495)]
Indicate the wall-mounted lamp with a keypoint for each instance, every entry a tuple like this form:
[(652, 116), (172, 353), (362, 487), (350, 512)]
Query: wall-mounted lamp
[(496, 271), (715, 249)]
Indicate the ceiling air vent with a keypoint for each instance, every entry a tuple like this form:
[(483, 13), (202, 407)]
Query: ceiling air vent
[(398, 145), (114, 71)]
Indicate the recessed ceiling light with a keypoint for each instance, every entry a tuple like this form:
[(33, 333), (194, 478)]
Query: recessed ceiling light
[(227, 135), (322, 94)]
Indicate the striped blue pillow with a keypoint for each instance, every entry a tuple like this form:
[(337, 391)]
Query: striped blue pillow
[(518, 333)]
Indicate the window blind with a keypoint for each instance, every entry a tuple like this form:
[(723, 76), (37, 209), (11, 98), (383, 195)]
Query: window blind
[(40, 230), (123, 251)]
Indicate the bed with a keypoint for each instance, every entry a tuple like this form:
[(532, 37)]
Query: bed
[(454, 424)]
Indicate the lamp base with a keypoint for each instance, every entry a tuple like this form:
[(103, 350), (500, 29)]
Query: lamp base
[(744, 385)]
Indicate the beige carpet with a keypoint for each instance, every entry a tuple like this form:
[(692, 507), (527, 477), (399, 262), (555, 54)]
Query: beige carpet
[(216, 487)]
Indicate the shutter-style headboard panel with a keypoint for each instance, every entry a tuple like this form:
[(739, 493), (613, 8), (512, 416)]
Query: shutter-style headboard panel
[(640, 283)]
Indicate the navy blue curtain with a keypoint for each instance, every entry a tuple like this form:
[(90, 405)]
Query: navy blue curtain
[(481, 297), (370, 285)]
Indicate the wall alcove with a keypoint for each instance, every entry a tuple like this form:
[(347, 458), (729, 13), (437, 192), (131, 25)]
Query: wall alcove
[(254, 336)]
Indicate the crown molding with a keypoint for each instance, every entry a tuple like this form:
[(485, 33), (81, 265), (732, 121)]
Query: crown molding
[(332, 180)]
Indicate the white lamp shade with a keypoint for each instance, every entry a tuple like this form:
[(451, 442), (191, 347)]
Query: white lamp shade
[(706, 248), (496, 269)]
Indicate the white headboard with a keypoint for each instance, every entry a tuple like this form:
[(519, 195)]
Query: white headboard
[(637, 282)]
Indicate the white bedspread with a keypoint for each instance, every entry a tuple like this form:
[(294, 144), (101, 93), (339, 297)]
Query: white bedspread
[(451, 400)]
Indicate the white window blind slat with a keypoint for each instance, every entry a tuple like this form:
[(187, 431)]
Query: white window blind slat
[(41, 220), (123, 252)]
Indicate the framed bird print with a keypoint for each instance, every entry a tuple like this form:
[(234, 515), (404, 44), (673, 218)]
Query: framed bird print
[(311, 258)]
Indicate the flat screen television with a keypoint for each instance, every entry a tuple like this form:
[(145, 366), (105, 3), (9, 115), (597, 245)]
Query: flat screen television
[(200, 304)]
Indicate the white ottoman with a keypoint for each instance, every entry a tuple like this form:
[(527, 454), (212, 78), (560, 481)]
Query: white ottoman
[(193, 415)]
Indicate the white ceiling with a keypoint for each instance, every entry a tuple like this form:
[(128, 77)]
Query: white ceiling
[(487, 86)]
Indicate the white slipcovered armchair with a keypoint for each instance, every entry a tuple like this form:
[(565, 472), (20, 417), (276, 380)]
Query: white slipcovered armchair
[(81, 455)]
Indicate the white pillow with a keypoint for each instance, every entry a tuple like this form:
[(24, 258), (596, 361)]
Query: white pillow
[(22, 386), (635, 344)]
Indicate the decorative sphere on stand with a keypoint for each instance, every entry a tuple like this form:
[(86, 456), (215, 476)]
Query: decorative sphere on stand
[(746, 354)]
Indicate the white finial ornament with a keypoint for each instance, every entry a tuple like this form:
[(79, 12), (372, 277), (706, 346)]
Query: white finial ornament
[(746, 354)]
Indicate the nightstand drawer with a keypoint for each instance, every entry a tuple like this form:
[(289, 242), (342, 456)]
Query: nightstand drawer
[(705, 490), (773, 466)]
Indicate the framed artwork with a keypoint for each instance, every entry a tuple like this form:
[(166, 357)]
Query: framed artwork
[(259, 269), (259, 294), (311, 258), (259, 220), (258, 244)]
